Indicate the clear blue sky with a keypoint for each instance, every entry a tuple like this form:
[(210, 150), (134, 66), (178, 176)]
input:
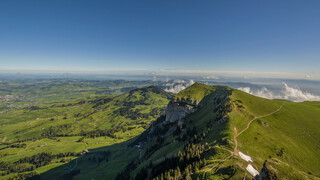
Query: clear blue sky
[(255, 35)]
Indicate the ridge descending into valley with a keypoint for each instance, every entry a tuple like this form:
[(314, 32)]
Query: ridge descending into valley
[(203, 142), (212, 132)]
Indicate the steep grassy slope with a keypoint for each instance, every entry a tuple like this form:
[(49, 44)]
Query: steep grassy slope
[(74, 126), (291, 134), (196, 92), (168, 150), (230, 122), (282, 132), (281, 138)]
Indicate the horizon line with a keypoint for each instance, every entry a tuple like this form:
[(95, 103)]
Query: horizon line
[(210, 74)]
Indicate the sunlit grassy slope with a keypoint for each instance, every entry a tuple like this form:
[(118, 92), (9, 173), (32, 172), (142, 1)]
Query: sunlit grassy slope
[(290, 135), (197, 92), (284, 140), (287, 137), (57, 127)]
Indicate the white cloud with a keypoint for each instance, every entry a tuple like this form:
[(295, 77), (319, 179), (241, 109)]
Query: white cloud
[(245, 89), (190, 82), (288, 93), (210, 77), (179, 81), (295, 94), (307, 76), (176, 88), (265, 93)]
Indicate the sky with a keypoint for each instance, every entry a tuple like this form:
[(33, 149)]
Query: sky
[(183, 35)]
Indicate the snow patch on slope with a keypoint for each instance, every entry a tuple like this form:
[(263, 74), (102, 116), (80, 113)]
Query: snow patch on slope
[(245, 157), (252, 171)]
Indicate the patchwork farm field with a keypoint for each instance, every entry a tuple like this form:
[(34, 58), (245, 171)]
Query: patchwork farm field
[(53, 123)]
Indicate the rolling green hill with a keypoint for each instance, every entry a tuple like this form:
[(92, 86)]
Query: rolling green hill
[(195, 92), (289, 137), (231, 135), (44, 131), (19, 93), (230, 132)]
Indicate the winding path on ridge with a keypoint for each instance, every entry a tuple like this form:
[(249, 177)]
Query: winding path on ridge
[(235, 150), (248, 125)]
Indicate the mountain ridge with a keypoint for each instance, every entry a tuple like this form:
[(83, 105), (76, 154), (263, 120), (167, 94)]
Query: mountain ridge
[(247, 108), (230, 135)]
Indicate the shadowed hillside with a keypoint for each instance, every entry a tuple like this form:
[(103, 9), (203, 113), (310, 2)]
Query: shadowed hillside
[(226, 134)]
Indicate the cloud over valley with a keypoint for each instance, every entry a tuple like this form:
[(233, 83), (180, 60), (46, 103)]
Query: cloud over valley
[(287, 92)]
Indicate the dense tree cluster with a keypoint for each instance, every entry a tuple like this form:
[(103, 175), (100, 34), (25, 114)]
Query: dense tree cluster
[(56, 131), (100, 101), (33, 108), (191, 135), (135, 114), (16, 144), (153, 89), (73, 104), (221, 102), (22, 145), (221, 105), (181, 165), (36, 161), (44, 158), (100, 156), (83, 115), (63, 131), (27, 176), (125, 174), (8, 168), (99, 132), (128, 105), (155, 130)]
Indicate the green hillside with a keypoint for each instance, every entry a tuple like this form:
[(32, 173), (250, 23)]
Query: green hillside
[(197, 92), (73, 126), (281, 138), (230, 132), (289, 136), (18, 93)]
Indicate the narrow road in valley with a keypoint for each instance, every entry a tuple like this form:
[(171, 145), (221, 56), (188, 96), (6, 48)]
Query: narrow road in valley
[(235, 150)]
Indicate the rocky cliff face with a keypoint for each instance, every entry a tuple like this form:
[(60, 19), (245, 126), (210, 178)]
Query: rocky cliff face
[(177, 111), (267, 173)]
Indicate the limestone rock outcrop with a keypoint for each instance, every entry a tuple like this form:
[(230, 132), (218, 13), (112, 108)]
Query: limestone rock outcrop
[(177, 110)]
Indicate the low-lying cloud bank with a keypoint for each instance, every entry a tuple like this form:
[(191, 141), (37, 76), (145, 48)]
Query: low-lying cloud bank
[(178, 85), (287, 92)]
